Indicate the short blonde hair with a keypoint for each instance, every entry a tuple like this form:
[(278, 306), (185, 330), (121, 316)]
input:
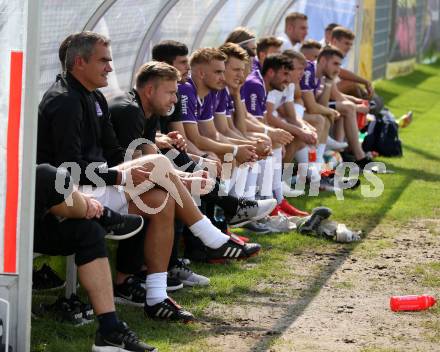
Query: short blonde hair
[(206, 55), (155, 70), (342, 33), (234, 50), (293, 16)]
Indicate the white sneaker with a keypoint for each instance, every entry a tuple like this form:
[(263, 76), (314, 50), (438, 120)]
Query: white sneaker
[(333, 144), (279, 223), (187, 276), (251, 210), (344, 234), (290, 192)]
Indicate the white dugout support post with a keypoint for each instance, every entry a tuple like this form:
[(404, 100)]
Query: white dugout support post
[(18, 122)]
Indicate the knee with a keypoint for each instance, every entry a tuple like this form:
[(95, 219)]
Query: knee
[(349, 108), (159, 202)]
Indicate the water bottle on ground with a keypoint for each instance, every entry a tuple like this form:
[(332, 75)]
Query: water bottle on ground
[(411, 302)]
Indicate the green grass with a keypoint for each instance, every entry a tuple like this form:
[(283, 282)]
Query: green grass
[(412, 192)]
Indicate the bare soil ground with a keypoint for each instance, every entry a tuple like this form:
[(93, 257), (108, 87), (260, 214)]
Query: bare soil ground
[(338, 299)]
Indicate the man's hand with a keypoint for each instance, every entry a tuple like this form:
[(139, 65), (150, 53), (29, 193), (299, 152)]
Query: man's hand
[(136, 175), (94, 208), (279, 135), (210, 164), (178, 141), (333, 115), (362, 108), (369, 88), (164, 142), (263, 148), (246, 153), (308, 137)]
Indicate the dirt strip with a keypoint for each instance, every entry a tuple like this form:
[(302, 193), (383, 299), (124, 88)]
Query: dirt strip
[(338, 299)]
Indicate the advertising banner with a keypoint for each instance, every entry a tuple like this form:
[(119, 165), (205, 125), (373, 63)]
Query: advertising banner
[(403, 49), (367, 39)]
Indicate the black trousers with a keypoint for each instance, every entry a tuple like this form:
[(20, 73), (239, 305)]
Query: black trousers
[(52, 236)]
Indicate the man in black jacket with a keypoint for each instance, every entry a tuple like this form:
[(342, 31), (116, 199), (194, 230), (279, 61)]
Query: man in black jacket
[(85, 224), (75, 131)]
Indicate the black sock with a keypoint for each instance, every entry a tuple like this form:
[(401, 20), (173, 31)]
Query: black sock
[(108, 322)]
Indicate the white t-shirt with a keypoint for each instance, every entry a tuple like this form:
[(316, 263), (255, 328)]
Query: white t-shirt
[(278, 98), (287, 43)]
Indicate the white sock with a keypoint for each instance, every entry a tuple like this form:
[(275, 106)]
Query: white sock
[(156, 287), (320, 153), (230, 183), (277, 185), (251, 182), (265, 178), (302, 155), (210, 235), (237, 190)]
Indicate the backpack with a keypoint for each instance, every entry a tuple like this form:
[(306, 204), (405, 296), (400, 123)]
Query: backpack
[(383, 135)]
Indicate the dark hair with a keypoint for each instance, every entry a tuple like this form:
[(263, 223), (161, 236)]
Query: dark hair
[(168, 50), (265, 43), (329, 51), (342, 33), (239, 35), (295, 55), (311, 44), (330, 26), (155, 70), (82, 44), (276, 62), (62, 51)]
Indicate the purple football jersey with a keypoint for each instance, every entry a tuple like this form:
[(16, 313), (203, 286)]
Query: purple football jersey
[(194, 109), (309, 82), (254, 94)]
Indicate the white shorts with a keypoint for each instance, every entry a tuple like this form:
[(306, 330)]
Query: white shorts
[(112, 197), (299, 109)]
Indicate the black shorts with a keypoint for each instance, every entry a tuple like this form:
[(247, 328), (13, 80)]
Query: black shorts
[(332, 104), (82, 237)]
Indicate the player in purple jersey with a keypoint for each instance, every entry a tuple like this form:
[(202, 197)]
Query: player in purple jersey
[(231, 111), (198, 103), (327, 68), (274, 75), (254, 94), (247, 40)]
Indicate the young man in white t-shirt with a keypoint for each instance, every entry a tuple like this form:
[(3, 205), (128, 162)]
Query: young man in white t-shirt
[(295, 31)]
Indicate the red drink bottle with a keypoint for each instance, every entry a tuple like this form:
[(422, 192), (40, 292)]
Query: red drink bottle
[(405, 303), (312, 154)]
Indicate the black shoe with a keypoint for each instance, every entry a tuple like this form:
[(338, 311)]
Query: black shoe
[(168, 310), (45, 279), (120, 340), (64, 311), (118, 226), (173, 284), (233, 249), (85, 308), (363, 162), (130, 292), (310, 223), (347, 157)]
